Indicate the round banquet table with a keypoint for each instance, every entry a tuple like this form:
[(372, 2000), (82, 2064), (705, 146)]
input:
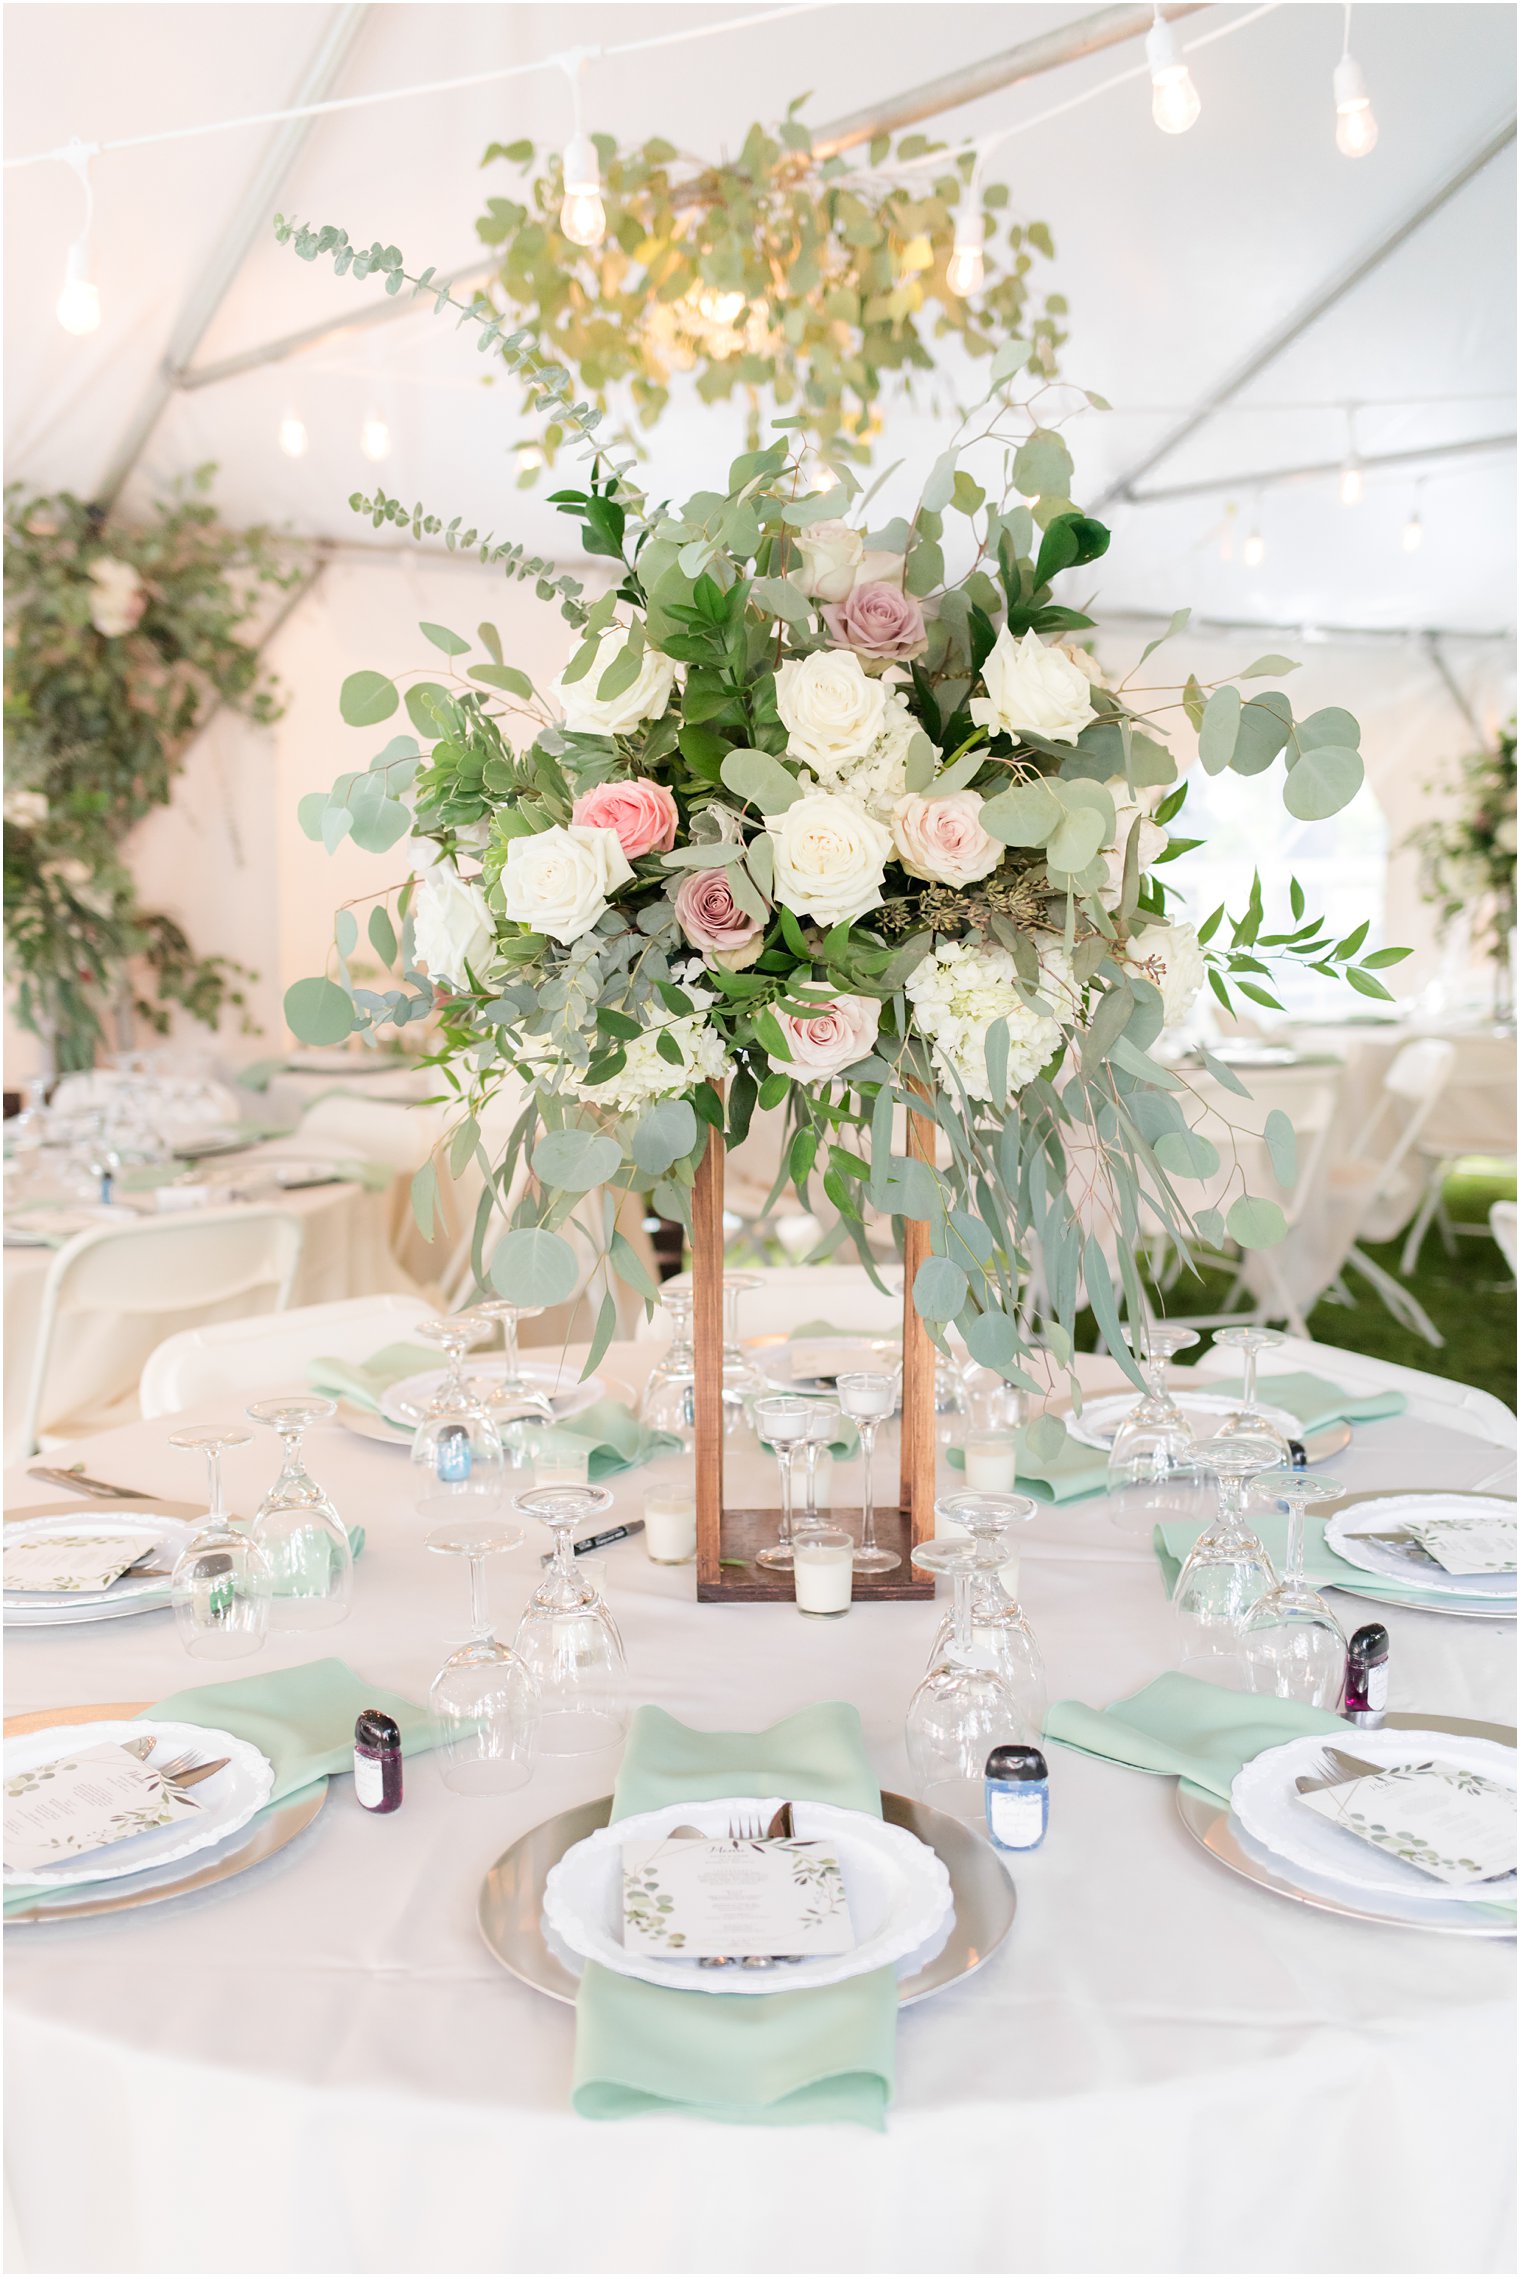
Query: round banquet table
[(321, 2068)]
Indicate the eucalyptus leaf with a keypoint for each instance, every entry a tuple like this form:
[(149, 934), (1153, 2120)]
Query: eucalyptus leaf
[(319, 1012), (1325, 779), (531, 1266), (1254, 1223), (760, 780), (575, 1161), (366, 698)]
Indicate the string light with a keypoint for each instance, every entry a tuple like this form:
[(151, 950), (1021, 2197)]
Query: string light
[(582, 216), (1174, 99), (375, 438), (1356, 129), (293, 436), (1413, 536), (1352, 485), (1254, 552), (966, 269), (1227, 532), (79, 301)]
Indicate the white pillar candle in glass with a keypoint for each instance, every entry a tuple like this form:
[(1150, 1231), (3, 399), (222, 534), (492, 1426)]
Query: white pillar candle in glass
[(823, 1567), (670, 1526), (554, 1466), (991, 1462)]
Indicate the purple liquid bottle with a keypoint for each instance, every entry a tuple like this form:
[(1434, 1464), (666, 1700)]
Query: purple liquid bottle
[(377, 1762)]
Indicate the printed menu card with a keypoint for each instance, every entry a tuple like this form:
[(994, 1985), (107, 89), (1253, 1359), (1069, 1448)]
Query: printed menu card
[(83, 1802), (66, 1562), (1455, 1825), (697, 1899)]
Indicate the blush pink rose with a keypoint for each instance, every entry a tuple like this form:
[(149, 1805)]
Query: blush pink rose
[(942, 839), (822, 1043), (879, 622), (641, 815), (714, 923)]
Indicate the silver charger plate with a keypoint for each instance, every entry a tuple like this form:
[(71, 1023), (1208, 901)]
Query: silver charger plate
[(1452, 1607), (1212, 1825), (511, 1908)]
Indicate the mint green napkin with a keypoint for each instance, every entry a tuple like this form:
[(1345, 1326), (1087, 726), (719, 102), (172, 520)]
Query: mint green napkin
[(1073, 1470), (366, 1382), (1322, 1568), (892, 1335), (1193, 1730), (1314, 1401), (613, 1439), (301, 1718), (780, 2059)]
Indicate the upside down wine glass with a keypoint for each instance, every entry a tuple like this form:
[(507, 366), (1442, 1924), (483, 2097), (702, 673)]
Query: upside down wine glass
[(1001, 1636), (221, 1580), (868, 1401), (962, 1709), (510, 1391), (1292, 1644), (483, 1697), (311, 1563), (567, 1638), (456, 1439), (1227, 1569), (1248, 1416), (669, 1400), (1154, 1439)]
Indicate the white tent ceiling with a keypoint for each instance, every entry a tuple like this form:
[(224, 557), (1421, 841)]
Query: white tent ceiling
[(1178, 257)]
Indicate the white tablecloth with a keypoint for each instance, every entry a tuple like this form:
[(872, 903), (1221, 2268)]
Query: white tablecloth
[(1163, 2069), (346, 1253)]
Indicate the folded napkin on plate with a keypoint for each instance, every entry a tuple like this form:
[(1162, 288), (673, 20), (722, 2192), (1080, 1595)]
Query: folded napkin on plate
[(1071, 1471), (301, 1718), (366, 1382), (1190, 1729), (613, 1437), (821, 1328), (783, 2059), (1312, 1399), (1322, 1568)]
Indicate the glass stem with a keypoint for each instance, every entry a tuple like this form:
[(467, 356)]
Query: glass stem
[(214, 1481), (1231, 1502), (784, 1464), (509, 1346), (480, 1612), (1294, 1560), (564, 1556), (813, 1447), (867, 1498), (1248, 1377), (961, 1614)]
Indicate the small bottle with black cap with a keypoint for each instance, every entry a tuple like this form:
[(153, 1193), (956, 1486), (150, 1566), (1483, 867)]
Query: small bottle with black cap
[(377, 1761), (1367, 1676), (1017, 1795)]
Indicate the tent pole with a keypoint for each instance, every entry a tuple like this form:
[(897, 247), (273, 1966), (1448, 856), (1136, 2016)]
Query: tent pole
[(1450, 683), (1309, 312), (1106, 27), (249, 219), (1264, 477)]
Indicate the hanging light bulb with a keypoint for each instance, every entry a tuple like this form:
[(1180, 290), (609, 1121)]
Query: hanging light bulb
[(1254, 552), (582, 216), (966, 269), (78, 306), (1227, 532), (1356, 130), (1351, 484), (1174, 99), (375, 438), (1413, 535), (293, 436)]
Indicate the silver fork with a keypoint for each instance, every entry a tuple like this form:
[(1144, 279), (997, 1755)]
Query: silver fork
[(745, 1826), (1333, 1769)]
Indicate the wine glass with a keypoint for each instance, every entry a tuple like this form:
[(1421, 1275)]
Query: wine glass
[(511, 1390), (669, 1399), (1227, 1569), (781, 1420), (822, 1427), (1248, 1416), (457, 1438), (868, 1400), (310, 1561), (483, 1697), (962, 1709), (742, 1380), (1155, 1439), (1292, 1643), (221, 1580), (567, 1638), (1001, 1635)]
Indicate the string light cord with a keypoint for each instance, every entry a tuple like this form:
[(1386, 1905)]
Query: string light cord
[(65, 151)]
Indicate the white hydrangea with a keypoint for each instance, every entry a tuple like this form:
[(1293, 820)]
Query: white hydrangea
[(956, 995), (879, 776), (645, 1075), (1169, 956)]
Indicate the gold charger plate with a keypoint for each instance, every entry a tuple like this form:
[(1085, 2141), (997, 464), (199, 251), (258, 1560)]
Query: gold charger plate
[(261, 1838), (511, 1908), (1212, 1825)]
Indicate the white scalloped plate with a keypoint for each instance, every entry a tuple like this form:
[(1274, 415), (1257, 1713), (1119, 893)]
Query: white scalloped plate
[(897, 1888), (47, 1608), (228, 1799), (405, 1403), (1344, 1531), (1101, 1418)]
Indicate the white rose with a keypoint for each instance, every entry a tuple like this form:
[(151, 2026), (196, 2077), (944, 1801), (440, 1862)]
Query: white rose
[(882, 569), (1169, 956), (942, 839), (119, 600), (831, 553), (557, 882), (645, 697), (1127, 812), (1086, 663), (1031, 686), (451, 925), (830, 857), (832, 710)]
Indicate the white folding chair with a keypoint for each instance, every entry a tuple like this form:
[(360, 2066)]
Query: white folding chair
[(200, 1263), (1501, 1219), (370, 1130), (1477, 1118), (271, 1351)]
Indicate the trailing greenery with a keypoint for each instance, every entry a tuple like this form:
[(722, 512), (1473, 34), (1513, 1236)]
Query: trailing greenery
[(812, 820), (800, 284), (1467, 853), (119, 640)]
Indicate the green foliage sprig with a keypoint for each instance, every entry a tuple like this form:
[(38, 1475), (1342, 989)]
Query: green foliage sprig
[(119, 640), (1467, 854)]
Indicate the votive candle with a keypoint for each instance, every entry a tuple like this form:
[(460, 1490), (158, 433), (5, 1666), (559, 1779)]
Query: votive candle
[(991, 1459), (670, 1526), (561, 1467), (823, 1572)]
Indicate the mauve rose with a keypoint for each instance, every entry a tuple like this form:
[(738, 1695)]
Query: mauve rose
[(641, 815), (824, 1042), (879, 622), (714, 923)]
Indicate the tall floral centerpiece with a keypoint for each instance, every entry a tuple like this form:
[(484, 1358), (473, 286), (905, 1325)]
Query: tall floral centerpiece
[(1467, 857), (834, 818)]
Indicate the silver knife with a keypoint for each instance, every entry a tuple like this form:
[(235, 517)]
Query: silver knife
[(98, 1488)]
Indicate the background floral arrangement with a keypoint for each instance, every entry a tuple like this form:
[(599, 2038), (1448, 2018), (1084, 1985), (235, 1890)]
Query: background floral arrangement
[(118, 642), (806, 283), (1467, 858), (809, 822)]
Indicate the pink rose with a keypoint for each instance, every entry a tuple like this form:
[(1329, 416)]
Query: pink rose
[(822, 1043), (878, 622), (714, 923), (943, 839), (641, 815)]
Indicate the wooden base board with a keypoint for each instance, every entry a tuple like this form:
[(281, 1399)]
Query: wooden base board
[(741, 1582)]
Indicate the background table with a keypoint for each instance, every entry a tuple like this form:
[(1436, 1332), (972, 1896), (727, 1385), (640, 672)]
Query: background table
[(1163, 2069)]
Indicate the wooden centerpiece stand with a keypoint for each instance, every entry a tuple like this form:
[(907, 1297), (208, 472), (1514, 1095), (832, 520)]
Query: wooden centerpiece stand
[(727, 1540)]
